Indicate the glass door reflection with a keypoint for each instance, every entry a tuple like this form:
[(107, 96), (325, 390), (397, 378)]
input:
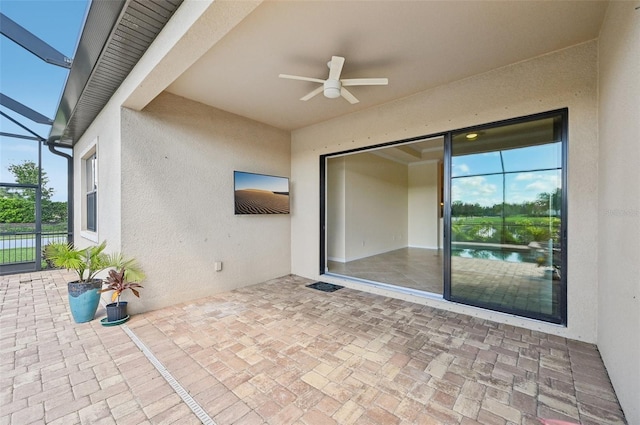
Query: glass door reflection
[(506, 218)]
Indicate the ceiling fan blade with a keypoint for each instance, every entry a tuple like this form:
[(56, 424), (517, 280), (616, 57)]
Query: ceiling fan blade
[(297, 77), (337, 62), (365, 82), (347, 95), (313, 93)]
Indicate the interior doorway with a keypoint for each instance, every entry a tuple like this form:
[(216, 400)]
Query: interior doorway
[(384, 218)]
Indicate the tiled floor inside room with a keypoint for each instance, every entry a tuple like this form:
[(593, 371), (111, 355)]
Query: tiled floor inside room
[(281, 353), (415, 268)]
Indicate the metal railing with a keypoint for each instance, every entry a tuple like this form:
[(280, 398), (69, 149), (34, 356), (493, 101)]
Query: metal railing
[(21, 251)]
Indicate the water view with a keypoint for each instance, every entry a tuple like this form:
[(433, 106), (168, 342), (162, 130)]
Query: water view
[(497, 254)]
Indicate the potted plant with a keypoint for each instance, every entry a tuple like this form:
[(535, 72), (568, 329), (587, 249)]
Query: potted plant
[(87, 263), (118, 282)]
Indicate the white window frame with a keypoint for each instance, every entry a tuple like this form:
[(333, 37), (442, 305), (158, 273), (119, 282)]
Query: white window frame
[(89, 186)]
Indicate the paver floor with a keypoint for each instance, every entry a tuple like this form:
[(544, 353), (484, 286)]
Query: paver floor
[(282, 353)]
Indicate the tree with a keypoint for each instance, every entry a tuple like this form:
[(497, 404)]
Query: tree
[(549, 203), (27, 173), (18, 205), (16, 210)]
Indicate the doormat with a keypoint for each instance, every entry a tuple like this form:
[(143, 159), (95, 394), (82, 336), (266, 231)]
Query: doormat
[(325, 287)]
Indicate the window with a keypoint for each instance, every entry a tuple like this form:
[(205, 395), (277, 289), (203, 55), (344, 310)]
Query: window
[(91, 193)]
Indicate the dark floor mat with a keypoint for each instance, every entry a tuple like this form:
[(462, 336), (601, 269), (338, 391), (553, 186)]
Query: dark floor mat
[(325, 287)]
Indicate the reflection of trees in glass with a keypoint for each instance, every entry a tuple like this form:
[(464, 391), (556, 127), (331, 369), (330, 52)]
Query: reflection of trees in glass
[(549, 203), (18, 205), (524, 223), (538, 208)]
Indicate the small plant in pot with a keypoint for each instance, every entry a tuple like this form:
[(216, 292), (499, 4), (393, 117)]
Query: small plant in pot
[(118, 282), (87, 263)]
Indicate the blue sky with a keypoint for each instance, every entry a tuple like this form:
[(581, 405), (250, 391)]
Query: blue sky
[(259, 181), (524, 185), (34, 83)]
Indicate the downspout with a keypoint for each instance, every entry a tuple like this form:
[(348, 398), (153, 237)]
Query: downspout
[(49, 142)]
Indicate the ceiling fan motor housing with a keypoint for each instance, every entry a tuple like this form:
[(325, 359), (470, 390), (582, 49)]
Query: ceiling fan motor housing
[(332, 88)]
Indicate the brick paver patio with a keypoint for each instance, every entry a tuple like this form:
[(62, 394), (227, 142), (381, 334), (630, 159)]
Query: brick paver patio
[(281, 353)]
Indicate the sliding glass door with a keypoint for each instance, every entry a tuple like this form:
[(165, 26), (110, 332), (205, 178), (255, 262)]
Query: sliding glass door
[(506, 218), (475, 215)]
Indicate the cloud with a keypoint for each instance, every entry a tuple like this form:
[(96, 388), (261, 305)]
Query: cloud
[(461, 169), (526, 176), (525, 187), (541, 186), (475, 190)]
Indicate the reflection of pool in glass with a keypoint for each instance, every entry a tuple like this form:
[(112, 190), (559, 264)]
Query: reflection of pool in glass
[(490, 253)]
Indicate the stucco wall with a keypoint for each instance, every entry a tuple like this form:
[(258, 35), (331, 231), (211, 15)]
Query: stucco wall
[(178, 158), (619, 209), (567, 78), (104, 133)]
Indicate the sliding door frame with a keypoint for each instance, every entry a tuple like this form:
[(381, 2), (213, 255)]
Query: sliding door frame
[(448, 138), (323, 186), (561, 318)]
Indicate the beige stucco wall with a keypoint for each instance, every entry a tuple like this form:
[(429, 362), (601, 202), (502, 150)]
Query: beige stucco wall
[(566, 78), (178, 158), (104, 135), (104, 131), (619, 208)]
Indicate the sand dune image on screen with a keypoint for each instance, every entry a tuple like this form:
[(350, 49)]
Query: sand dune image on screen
[(256, 201), (261, 194)]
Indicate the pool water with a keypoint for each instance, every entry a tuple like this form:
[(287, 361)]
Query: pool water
[(493, 254)]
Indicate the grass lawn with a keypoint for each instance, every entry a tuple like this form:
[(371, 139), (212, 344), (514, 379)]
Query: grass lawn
[(17, 255)]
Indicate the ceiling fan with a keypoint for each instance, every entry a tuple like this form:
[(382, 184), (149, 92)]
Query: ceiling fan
[(333, 86)]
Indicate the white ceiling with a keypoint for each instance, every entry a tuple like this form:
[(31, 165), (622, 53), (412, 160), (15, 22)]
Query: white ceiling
[(413, 152), (418, 45)]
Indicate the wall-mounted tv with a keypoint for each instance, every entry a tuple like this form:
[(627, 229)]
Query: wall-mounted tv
[(260, 193)]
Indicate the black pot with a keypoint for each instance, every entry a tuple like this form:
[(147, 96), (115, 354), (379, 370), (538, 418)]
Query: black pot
[(116, 311)]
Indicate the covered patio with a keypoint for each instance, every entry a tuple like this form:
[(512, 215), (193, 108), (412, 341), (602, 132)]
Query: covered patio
[(281, 353)]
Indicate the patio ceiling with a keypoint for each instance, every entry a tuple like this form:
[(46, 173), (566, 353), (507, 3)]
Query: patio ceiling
[(418, 45)]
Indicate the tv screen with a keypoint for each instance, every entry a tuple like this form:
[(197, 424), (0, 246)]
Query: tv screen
[(260, 193)]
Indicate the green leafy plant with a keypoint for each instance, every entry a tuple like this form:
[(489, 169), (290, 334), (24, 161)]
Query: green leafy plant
[(88, 262), (118, 282)]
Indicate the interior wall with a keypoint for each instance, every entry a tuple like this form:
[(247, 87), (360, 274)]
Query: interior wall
[(178, 158), (375, 205), (619, 208), (566, 78), (336, 212), (423, 205)]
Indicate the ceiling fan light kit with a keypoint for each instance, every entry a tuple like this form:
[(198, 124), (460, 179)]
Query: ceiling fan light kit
[(333, 87)]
